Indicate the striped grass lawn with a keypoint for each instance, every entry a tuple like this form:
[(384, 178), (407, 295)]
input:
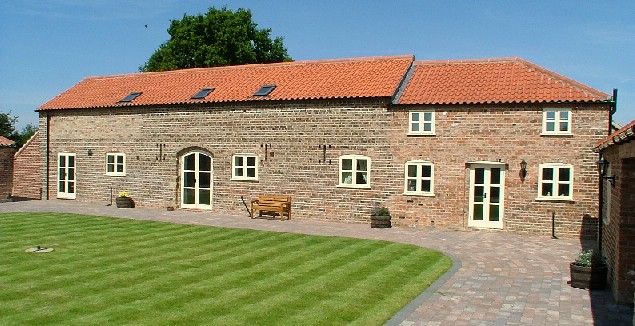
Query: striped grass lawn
[(116, 271)]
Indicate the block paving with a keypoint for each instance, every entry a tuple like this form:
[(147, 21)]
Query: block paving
[(497, 278)]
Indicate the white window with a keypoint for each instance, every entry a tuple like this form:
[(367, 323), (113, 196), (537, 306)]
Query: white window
[(245, 167), (116, 164), (556, 122), (354, 171), (421, 123), (555, 181), (419, 178)]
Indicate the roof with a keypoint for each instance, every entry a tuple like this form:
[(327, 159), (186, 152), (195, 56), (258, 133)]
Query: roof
[(488, 81), (624, 135), (323, 79), (4, 141)]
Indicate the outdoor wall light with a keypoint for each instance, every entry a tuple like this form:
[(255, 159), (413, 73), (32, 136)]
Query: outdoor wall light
[(523, 169), (89, 152), (602, 167)]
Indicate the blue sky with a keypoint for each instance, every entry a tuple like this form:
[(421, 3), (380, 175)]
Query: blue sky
[(48, 46)]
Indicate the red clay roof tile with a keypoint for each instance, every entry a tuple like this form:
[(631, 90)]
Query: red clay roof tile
[(323, 79), (502, 80), (625, 134), (4, 141)]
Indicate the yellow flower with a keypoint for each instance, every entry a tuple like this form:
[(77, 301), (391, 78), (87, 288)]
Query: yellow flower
[(124, 194)]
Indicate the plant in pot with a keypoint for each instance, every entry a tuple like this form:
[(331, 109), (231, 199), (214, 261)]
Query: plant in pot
[(588, 271), (124, 200), (380, 218)]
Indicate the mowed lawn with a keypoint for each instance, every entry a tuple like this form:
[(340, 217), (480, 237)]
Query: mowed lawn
[(117, 271)]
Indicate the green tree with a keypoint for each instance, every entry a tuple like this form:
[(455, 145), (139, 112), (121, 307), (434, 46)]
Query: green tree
[(7, 125), (23, 136), (220, 37), (7, 129)]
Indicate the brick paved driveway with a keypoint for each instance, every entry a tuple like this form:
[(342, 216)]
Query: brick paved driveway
[(498, 278)]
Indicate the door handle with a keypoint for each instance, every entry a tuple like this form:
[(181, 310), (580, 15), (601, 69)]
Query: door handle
[(484, 195)]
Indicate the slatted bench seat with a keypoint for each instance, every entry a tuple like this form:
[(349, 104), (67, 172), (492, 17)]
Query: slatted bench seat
[(272, 205)]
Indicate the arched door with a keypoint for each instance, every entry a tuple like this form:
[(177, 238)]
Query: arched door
[(196, 180)]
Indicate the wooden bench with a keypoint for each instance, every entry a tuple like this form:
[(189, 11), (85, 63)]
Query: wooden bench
[(272, 205)]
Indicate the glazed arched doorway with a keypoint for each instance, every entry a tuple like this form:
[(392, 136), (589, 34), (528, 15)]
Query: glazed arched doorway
[(196, 180)]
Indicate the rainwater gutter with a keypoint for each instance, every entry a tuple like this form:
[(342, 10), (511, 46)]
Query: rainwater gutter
[(48, 145), (612, 110)]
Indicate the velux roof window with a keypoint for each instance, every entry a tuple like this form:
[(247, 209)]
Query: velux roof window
[(265, 90), (130, 97), (202, 93)]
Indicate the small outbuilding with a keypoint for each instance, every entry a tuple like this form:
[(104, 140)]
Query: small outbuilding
[(618, 231), (7, 149)]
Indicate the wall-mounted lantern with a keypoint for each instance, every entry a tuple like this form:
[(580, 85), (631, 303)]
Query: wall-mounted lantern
[(523, 169), (602, 167)]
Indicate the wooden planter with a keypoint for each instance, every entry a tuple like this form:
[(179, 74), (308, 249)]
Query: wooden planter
[(380, 221), (124, 202), (588, 277)]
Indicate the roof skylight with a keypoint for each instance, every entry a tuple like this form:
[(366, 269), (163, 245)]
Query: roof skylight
[(202, 93), (265, 90), (130, 97)]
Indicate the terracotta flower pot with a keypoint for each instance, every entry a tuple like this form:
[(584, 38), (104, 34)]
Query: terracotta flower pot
[(592, 278)]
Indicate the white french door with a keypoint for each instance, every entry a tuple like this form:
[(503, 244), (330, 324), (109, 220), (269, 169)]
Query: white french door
[(196, 180), (487, 188), (66, 182)]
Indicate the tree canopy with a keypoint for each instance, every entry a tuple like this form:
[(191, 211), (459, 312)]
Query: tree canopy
[(7, 123), (7, 129), (220, 37)]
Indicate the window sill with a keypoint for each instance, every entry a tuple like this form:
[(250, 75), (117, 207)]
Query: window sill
[(549, 134), (115, 174), (432, 134), (353, 186), (245, 179), (556, 199), (419, 194)]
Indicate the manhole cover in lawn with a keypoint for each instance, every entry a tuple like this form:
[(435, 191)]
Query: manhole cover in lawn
[(39, 249)]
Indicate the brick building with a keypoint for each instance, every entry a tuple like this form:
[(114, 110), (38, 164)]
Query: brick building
[(27, 168), (618, 232), (7, 149), (440, 143)]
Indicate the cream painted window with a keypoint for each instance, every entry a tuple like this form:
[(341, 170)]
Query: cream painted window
[(354, 171), (421, 123), (555, 181), (419, 178), (116, 164), (556, 122), (245, 167)]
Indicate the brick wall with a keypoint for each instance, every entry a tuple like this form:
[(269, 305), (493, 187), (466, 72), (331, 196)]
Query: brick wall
[(509, 135), (293, 162), (619, 229), (6, 172), (27, 164)]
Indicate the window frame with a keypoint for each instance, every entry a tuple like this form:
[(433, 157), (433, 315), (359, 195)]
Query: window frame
[(422, 122), (245, 166), (557, 121), (419, 178), (555, 182), (354, 171), (115, 163)]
